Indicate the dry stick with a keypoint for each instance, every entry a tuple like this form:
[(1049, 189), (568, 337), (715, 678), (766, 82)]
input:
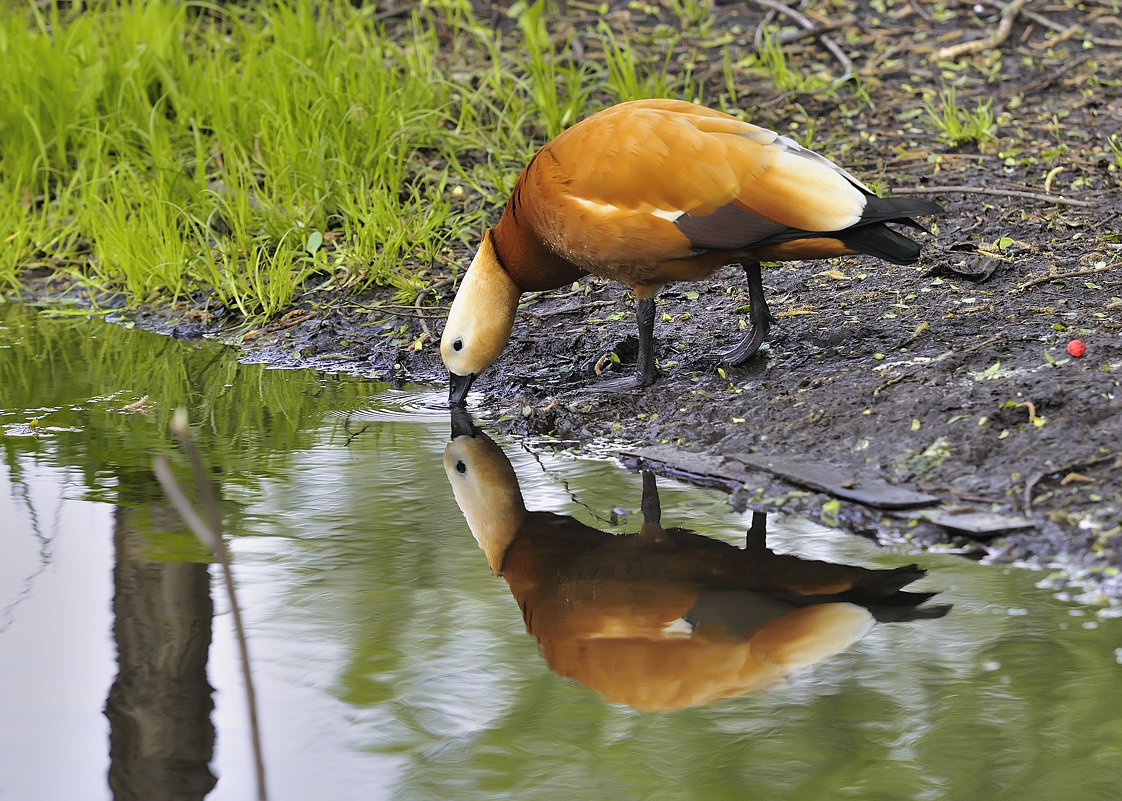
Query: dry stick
[(982, 190), (417, 303), (209, 533), (1041, 279), (916, 7), (985, 343), (769, 17), (579, 307), (890, 382), (1004, 28), (809, 24), (1040, 19), (389, 309), (1036, 477), (813, 33), (398, 11)]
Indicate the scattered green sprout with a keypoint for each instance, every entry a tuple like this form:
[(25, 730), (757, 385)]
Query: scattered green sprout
[(1115, 145), (773, 60), (959, 125), (694, 14)]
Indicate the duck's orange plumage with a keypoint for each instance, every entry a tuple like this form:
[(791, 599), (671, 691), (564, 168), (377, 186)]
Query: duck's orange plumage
[(655, 191)]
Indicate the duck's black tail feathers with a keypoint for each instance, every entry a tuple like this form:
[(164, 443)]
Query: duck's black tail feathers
[(872, 236), (882, 593)]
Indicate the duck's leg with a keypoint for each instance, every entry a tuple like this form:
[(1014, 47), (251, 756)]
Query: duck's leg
[(647, 372), (756, 537), (652, 510), (759, 315), (645, 317)]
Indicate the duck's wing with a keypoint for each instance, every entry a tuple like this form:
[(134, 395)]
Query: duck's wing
[(670, 174)]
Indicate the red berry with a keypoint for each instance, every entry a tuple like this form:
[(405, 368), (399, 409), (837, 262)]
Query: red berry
[(1076, 348)]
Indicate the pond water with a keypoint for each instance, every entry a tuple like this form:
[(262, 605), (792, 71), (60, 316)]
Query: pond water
[(391, 662)]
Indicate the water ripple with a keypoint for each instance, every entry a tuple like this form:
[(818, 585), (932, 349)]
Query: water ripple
[(405, 405)]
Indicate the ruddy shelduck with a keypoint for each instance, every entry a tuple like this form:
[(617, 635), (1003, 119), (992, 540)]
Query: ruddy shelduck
[(666, 617), (651, 192)]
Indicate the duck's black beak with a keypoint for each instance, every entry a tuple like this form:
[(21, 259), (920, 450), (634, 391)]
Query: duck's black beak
[(458, 386), (462, 425)]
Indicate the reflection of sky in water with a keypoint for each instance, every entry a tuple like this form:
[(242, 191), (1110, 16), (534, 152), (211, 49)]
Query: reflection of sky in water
[(56, 650)]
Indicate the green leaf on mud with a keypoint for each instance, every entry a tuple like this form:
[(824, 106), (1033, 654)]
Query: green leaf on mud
[(830, 510), (315, 240)]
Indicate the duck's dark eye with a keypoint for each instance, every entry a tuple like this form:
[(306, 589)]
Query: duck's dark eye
[(458, 345), (461, 467)]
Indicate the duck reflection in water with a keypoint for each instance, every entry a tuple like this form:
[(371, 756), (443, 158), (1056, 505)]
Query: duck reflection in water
[(665, 618)]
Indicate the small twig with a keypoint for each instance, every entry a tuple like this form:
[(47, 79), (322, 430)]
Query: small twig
[(1052, 173), (209, 532), (1036, 477), (848, 70), (1004, 28), (590, 305), (352, 434), (985, 343), (916, 7), (985, 190), (819, 29), (1042, 20), (407, 315), (397, 11), (761, 29), (1042, 279), (417, 302), (890, 382)]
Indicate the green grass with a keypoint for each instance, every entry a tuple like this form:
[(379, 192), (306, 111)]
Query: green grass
[(784, 74), (158, 150), (1115, 146), (957, 124)]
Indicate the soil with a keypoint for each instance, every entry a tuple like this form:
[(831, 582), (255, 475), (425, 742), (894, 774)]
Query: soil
[(952, 377)]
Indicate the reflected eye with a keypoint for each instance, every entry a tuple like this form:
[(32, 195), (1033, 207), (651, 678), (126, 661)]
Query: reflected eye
[(458, 345), (461, 467)]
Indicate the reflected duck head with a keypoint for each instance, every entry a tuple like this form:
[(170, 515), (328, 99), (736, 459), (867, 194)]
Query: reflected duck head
[(485, 486)]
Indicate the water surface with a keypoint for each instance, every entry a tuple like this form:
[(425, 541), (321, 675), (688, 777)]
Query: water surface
[(393, 664)]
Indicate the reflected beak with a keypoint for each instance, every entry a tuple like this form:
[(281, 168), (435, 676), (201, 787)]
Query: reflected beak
[(461, 423), (458, 386)]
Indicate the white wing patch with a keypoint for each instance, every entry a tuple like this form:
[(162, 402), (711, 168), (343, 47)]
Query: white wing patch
[(607, 210), (794, 147), (677, 629)]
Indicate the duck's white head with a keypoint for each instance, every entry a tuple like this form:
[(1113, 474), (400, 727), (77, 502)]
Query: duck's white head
[(479, 322)]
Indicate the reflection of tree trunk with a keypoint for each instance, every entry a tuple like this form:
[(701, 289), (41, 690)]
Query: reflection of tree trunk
[(161, 737)]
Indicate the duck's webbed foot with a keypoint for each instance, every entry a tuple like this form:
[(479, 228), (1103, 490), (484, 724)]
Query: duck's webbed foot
[(759, 315), (624, 384)]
